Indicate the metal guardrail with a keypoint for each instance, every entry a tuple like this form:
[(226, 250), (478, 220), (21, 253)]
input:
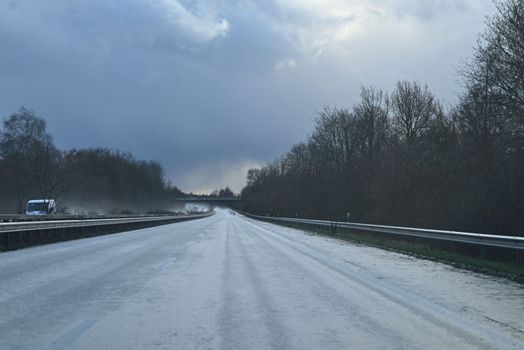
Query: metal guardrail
[(39, 225), (483, 240), (54, 217), (15, 234)]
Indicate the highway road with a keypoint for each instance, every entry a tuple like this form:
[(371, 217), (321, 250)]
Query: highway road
[(228, 282)]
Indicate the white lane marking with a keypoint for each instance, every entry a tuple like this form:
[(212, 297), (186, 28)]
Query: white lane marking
[(66, 340), (167, 263)]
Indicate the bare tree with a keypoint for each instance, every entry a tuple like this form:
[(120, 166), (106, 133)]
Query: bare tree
[(413, 106), (48, 169), (32, 159), (333, 135), (498, 60), (372, 118)]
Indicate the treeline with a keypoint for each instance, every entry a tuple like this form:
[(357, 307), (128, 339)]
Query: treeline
[(223, 193), (401, 158), (87, 180)]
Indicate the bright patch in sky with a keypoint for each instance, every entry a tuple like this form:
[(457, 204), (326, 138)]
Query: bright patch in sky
[(200, 28)]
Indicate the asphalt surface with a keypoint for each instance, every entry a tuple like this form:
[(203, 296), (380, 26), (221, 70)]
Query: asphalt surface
[(228, 282)]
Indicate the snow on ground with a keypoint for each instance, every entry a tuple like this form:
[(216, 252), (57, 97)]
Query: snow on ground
[(227, 282), (487, 299)]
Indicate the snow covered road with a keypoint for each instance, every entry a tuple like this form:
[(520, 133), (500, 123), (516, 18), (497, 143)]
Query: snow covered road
[(228, 282)]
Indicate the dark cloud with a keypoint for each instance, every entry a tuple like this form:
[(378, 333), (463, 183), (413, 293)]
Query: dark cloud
[(210, 88)]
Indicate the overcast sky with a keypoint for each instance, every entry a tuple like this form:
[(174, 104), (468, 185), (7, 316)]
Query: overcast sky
[(211, 88)]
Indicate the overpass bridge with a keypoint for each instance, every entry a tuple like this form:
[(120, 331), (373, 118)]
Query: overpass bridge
[(230, 202)]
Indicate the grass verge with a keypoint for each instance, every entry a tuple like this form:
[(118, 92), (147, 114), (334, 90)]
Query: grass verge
[(508, 270)]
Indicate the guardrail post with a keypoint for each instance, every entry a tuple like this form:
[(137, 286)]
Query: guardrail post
[(333, 227)]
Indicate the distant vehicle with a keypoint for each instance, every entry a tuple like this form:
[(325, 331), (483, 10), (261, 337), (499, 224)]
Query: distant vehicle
[(195, 209), (40, 207)]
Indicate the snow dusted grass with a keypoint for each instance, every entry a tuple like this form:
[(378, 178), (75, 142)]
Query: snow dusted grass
[(477, 264)]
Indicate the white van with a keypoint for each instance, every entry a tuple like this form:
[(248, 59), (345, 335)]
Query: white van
[(40, 207)]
